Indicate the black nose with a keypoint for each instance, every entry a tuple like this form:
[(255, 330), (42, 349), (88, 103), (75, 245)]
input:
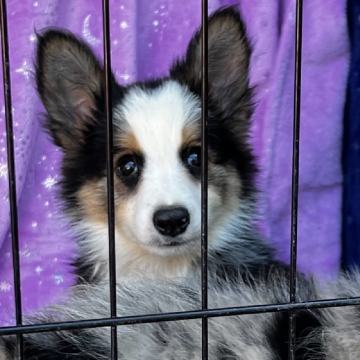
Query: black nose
[(171, 221)]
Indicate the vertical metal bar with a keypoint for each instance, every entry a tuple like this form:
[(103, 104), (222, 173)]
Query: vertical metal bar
[(110, 172), (204, 174), (11, 170), (295, 175)]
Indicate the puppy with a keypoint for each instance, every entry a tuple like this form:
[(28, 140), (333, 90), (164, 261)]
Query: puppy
[(157, 161)]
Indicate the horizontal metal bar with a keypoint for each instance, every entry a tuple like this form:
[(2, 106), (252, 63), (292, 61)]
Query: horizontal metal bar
[(175, 316)]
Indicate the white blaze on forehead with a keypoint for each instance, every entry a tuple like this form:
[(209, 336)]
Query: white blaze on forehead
[(157, 118)]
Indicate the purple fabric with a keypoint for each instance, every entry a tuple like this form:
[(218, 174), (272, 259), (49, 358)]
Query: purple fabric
[(146, 36)]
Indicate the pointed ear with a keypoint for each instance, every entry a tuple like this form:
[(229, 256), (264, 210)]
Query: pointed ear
[(228, 64), (70, 83)]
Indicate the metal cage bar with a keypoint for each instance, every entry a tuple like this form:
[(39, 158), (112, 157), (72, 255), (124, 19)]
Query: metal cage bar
[(110, 172), (204, 174), (175, 316), (11, 171), (295, 176)]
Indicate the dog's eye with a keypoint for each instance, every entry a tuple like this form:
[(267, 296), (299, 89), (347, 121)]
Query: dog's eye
[(192, 158), (128, 169)]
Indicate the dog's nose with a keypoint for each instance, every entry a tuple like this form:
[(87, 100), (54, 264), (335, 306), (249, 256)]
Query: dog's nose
[(171, 221)]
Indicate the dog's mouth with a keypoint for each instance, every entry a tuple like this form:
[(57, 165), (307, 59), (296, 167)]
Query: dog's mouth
[(173, 243)]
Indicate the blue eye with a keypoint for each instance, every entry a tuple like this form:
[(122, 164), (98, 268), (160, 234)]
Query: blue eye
[(192, 158)]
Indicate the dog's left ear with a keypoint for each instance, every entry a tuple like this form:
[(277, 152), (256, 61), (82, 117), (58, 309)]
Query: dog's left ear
[(228, 65), (71, 85)]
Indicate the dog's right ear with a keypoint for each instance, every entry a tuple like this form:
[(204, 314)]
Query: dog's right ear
[(70, 82), (228, 69)]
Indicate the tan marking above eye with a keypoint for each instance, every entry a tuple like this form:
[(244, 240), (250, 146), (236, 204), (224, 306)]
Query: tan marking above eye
[(191, 135), (127, 142)]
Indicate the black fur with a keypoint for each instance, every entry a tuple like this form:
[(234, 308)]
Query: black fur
[(229, 103), (65, 350), (60, 55), (307, 324), (224, 353)]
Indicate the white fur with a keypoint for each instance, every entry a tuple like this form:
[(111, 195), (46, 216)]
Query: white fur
[(157, 119), (131, 261)]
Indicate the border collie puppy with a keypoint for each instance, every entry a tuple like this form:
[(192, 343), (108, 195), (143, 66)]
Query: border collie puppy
[(156, 155), (157, 202)]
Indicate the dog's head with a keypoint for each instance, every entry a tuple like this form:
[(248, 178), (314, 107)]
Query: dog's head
[(157, 139)]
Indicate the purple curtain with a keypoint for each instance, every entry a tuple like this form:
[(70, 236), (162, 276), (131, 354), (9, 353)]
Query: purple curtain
[(146, 37)]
